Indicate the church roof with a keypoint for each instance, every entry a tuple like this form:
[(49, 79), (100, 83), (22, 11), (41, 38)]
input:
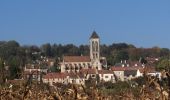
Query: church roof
[(76, 58), (94, 35)]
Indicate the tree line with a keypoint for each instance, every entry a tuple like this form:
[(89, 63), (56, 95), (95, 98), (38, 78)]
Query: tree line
[(16, 56)]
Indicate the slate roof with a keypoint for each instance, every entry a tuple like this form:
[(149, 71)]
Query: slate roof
[(94, 35)]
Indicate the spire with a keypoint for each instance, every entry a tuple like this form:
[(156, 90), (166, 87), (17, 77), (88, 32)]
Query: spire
[(94, 35)]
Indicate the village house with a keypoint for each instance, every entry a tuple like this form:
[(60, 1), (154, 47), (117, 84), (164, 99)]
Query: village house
[(51, 78), (106, 75), (103, 75), (48, 61), (64, 78), (118, 72), (131, 72), (127, 73), (79, 78), (34, 70)]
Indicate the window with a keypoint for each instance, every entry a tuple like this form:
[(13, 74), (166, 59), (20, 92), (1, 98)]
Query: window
[(67, 68), (84, 64), (96, 45), (106, 76), (94, 56), (88, 64), (93, 47), (93, 76)]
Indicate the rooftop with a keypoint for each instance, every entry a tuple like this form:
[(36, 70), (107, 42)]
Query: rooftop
[(94, 35), (76, 59)]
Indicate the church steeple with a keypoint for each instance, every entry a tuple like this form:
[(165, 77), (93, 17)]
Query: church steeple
[(95, 50), (94, 35)]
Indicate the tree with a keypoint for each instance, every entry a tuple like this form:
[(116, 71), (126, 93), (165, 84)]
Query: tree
[(2, 70), (142, 60), (84, 50), (46, 49), (8, 48), (56, 67), (14, 67), (163, 64), (121, 55), (134, 54), (164, 52)]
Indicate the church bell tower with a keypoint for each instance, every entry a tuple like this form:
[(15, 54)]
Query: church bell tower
[(95, 50)]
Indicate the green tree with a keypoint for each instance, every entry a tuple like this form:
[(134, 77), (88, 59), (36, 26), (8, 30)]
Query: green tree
[(2, 70), (14, 67), (46, 49), (121, 55), (164, 52), (142, 60), (56, 67), (163, 64)]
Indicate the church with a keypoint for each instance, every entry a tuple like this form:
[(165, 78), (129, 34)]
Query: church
[(93, 61)]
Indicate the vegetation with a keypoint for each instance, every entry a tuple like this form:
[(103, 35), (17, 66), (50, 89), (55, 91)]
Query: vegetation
[(163, 64), (13, 57), (148, 89), (16, 56)]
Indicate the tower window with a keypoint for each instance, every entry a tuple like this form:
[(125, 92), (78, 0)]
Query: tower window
[(93, 46), (96, 46), (96, 55), (93, 56)]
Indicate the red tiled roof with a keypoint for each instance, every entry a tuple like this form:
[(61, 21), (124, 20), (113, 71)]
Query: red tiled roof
[(105, 71), (63, 75), (125, 68), (75, 75), (149, 69), (55, 75), (76, 58), (141, 69)]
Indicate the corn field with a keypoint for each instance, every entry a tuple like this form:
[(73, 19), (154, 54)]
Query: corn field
[(29, 90)]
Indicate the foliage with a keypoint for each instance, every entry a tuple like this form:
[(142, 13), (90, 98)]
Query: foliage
[(31, 90), (2, 70), (140, 81), (163, 64), (14, 67)]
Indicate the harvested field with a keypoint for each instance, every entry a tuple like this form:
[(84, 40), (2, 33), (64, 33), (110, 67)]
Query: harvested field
[(31, 90)]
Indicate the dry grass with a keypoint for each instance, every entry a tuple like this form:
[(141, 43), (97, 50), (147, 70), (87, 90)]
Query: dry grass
[(29, 90)]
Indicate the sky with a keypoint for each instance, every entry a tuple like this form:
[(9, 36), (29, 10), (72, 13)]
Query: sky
[(143, 23)]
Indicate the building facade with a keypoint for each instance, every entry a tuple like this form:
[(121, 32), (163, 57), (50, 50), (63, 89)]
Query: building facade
[(93, 61)]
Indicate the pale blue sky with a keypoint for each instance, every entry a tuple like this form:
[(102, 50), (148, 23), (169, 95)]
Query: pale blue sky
[(144, 23)]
